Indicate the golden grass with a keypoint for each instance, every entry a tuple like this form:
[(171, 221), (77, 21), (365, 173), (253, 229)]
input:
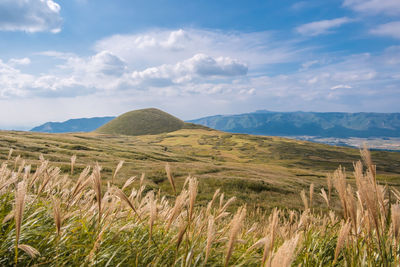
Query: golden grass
[(83, 218)]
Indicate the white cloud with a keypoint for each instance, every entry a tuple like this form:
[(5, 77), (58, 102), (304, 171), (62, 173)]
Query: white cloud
[(148, 49), (341, 86), (306, 65), (391, 55), (388, 7), (19, 61), (189, 74), (106, 63), (13, 82), (30, 15), (200, 66), (322, 27), (391, 29)]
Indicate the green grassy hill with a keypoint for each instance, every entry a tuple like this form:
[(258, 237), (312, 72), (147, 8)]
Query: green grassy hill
[(142, 122), (260, 171)]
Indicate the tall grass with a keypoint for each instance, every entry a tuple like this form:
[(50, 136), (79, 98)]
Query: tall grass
[(54, 219)]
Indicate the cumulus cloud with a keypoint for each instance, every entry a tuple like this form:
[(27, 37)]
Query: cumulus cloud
[(106, 63), (30, 15), (391, 29), (19, 61), (388, 7), (213, 73), (322, 27), (13, 82), (152, 48), (198, 67)]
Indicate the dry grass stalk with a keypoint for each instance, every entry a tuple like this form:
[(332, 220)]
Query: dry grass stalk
[(270, 236), (342, 237), (221, 200), (236, 225), (52, 173), (396, 221), (182, 230), (153, 212), (123, 197), (20, 194), (39, 171), (8, 182), (73, 160), (366, 156), (367, 190), (169, 176), (8, 217), (396, 193), (210, 204), (176, 210), (304, 199), (128, 182), (119, 166), (325, 197), (210, 237), (286, 253), (97, 188), (193, 185), (351, 207), (311, 195), (31, 251), (339, 182), (57, 215), (79, 183), (329, 183), (10, 153), (27, 172), (226, 205), (21, 167), (16, 161)]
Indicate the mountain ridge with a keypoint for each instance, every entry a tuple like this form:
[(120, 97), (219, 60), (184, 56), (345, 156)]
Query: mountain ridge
[(327, 124), (73, 125)]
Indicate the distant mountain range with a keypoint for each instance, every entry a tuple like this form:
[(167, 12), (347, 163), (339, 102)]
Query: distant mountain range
[(263, 122), (329, 124), (73, 125)]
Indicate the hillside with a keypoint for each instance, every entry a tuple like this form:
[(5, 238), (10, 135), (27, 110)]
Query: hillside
[(334, 124), (261, 171), (73, 125), (142, 122)]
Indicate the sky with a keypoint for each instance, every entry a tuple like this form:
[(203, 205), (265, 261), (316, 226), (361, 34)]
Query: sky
[(63, 59)]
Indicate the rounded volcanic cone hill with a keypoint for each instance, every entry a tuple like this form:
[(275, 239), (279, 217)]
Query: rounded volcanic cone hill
[(142, 122)]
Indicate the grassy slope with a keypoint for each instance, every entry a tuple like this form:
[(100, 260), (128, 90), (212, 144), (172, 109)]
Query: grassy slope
[(141, 122), (259, 171)]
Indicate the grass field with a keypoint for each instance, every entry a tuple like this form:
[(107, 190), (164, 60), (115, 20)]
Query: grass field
[(263, 172), (52, 218)]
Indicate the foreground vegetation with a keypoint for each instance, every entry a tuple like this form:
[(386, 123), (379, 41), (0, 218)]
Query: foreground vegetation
[(53, 219), (265, 172)]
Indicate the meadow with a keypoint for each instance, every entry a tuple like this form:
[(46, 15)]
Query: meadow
[(52, 215), (264, 172)]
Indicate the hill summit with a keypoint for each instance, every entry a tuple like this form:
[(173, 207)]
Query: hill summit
[(142, 122)]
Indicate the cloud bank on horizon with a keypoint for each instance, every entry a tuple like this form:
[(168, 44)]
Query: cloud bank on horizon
[(61, 60)]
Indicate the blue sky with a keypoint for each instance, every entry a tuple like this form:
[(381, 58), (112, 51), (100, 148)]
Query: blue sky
[(62, 59)]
